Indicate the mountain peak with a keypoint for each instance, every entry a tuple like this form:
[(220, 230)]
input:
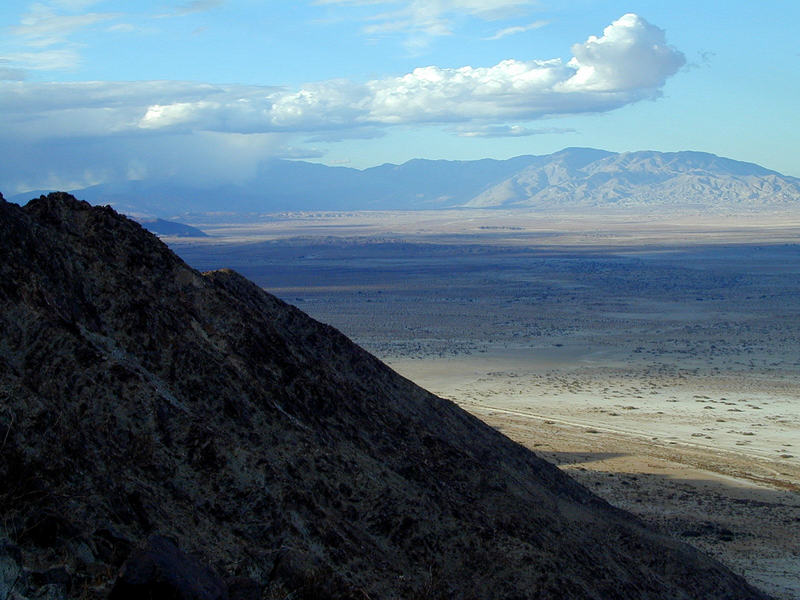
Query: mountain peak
[(584, 179)]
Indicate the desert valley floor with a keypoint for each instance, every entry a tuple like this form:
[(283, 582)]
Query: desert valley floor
[(656, 359)]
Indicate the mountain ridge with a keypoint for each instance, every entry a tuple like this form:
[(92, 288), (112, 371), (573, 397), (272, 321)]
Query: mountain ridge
[(645, 180), (146, 404), (571, 179)]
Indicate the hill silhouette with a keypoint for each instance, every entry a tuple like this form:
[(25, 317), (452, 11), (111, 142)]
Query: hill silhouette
[(173, 430)]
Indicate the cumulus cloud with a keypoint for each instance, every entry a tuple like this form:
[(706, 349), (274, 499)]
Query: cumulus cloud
[(629, 62), (85, 109), (631, 54)]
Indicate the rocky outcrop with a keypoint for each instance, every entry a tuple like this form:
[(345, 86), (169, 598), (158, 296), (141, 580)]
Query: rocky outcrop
[(140, 398)]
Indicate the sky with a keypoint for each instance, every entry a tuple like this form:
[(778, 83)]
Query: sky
[(207, 90)]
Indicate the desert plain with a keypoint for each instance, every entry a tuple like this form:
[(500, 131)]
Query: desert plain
[(655, 357)]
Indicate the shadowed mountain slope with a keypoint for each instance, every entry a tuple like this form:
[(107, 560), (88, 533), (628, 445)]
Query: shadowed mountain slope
[(171, 228), (140, 397)]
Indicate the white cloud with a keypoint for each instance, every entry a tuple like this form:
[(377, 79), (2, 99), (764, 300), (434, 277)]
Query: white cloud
[(629, 62), (43, 27), (42, 38), (198, 6), (123, 27), (487, 9), (44, 60), (45, 38), (10, 73), (75, 5), (422, 19), (495, 131), (190, 8), (631, 54), (517, 29), (62, 110)]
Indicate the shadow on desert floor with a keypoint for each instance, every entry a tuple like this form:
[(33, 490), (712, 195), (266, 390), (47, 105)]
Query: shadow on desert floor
[(752, 529)]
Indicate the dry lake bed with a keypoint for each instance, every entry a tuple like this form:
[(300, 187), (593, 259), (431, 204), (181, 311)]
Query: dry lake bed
[(654, 357)]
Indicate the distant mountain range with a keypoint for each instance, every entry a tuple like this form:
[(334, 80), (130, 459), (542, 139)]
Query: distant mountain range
[(574, 178)]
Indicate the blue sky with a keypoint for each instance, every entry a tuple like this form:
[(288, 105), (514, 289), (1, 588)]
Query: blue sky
[(205, 90)]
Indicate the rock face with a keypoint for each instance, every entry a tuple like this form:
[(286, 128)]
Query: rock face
[(140, 398), (160, 569)]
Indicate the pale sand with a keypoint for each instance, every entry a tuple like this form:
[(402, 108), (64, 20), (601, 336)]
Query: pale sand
[(595, 228), (714, 460)]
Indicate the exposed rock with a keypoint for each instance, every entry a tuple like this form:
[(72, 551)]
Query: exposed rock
[(140, 397), (11, 574), (46, 528), (161, 571), (58, 580), (244, 588)]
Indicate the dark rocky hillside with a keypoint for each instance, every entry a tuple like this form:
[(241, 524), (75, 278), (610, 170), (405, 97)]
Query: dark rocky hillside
[(164, 429)]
